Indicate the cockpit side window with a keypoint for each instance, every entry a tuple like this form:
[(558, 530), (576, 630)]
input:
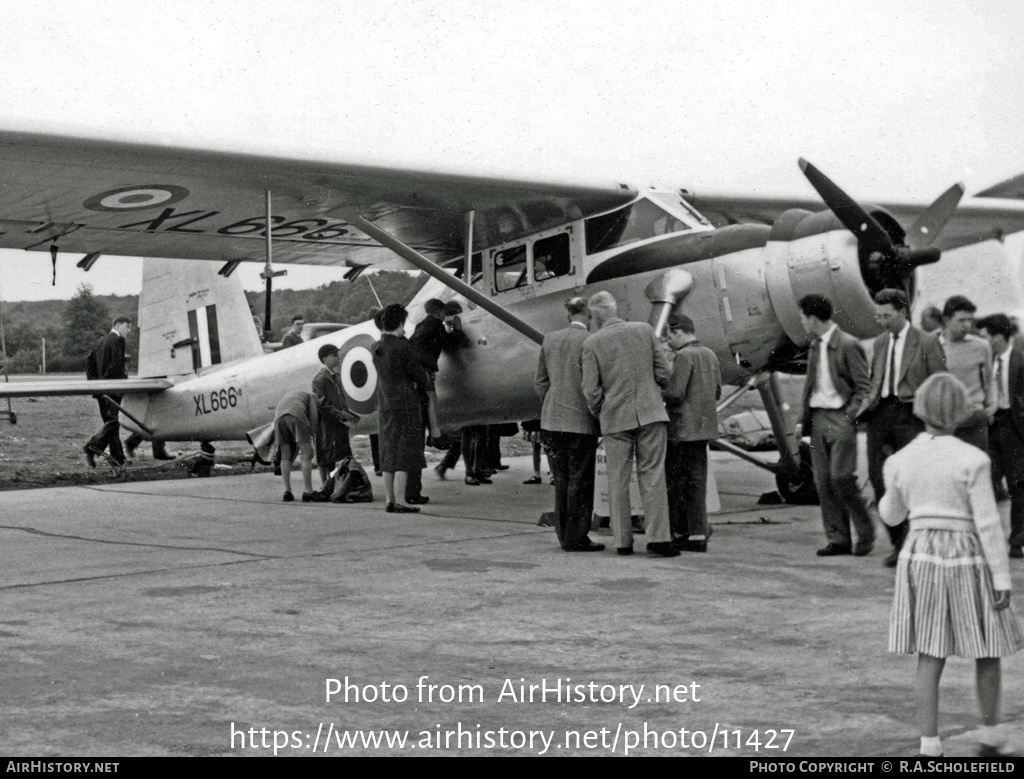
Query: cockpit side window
[(636, 222), (551, 257), (510, 269)]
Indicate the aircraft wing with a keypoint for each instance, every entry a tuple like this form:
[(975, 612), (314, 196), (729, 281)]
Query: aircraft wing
[(32, 389), (978, 218), (131, 198)]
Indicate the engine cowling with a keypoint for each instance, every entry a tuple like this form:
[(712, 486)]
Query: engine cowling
[(814, 253)]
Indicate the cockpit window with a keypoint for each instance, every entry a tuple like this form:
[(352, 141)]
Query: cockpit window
[(551, 257), (510, 268), (637, 222)]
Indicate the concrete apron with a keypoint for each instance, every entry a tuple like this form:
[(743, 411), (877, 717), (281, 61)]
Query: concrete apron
[(206, 617)]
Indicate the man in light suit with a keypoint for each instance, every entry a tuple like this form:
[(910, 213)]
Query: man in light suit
[(568, 429), (623, 365), (903, 358), (1006, 435), (837, 383)]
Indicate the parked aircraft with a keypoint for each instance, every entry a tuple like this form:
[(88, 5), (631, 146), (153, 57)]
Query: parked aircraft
[(510, 250)]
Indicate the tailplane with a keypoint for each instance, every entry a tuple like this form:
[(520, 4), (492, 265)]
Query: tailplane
[(191, 317)]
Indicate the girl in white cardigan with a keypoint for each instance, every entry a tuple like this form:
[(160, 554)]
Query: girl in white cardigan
[(952, 592)]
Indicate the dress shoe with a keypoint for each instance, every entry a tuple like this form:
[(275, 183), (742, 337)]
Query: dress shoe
[(624, 551), (863, 548), (90, 455), (398, 508), (502, 467), (988, 750), (892, 558), (1016, 552), (480, 478), (417, 500), (588, 546), (662, 549), (472, 481), (833, 550), (532, 480), (288, 497), (695, 546), (440, 471), (314, 497)]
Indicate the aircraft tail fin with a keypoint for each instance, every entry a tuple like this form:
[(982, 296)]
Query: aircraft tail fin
[(191, 317)]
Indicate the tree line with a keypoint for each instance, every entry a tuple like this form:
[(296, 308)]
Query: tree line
[(72, 327)]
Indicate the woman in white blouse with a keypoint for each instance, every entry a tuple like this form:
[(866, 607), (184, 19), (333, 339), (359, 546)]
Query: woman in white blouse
[(952, 592)]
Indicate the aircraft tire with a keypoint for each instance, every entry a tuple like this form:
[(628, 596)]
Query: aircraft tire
[(799, 489)]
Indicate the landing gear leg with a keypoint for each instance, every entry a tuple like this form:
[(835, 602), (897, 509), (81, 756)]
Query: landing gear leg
[(794, 478)]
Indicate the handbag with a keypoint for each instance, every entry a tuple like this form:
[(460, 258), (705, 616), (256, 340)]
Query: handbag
[(351, 484)]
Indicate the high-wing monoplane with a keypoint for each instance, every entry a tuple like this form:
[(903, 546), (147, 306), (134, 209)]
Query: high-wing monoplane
[(511, 250)]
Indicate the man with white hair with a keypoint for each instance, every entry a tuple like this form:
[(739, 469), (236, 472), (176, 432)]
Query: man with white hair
[(623, 365)]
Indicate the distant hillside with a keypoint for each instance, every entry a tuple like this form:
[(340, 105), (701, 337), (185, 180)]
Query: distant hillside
[(26, 323)]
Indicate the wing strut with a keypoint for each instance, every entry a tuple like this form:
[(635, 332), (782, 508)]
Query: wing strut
[(468, 274), (422, 263), (268, 271)]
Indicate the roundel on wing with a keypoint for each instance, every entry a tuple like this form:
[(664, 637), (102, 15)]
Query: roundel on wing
[(358, 376), (136, 198)]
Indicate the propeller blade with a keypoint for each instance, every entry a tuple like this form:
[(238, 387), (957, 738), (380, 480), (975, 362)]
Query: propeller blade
[(869, 233), (930, 223)]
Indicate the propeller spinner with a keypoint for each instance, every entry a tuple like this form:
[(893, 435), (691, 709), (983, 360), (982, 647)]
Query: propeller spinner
[(888, 262)]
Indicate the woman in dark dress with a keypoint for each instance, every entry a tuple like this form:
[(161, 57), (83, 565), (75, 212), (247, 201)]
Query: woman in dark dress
[(400, 374)]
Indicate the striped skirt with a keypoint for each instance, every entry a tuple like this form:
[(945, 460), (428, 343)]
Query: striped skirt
[(943, 600)]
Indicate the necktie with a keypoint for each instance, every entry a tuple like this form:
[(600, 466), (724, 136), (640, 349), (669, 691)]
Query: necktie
[(999, 382), (892, 367)]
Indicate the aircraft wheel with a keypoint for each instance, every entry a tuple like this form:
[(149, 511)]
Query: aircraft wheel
[(799, 489)]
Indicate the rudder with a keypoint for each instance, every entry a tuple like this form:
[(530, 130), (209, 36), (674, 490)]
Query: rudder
[(191, 317)]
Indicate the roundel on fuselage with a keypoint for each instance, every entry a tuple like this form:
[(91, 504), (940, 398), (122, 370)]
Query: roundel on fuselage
[(358, 376)]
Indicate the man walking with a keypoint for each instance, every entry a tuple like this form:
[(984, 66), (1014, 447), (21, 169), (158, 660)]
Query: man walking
[(903, 358), (837, 383), (108, 362), (691, 397), (568, 429), (623, 365)]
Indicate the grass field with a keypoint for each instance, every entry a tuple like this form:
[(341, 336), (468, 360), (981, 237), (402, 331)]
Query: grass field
[(44, 448)]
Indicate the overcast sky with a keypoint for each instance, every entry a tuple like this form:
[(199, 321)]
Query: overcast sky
[(893, 100)]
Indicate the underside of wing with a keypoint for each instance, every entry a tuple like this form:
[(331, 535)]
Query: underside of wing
[(976, 219), (56, 387), (128, 198)]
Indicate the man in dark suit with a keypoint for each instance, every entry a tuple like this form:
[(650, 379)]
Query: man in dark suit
[(108, 357), (623, 366), (837, 383), (334, 417), (903, 358), (691, 398), (568, 429), (1006, 435), (436, 332)]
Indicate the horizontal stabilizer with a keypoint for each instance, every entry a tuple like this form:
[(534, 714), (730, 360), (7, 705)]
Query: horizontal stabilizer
[(32, 389)]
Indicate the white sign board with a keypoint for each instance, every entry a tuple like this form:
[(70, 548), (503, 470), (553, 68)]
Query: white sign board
[(601, 506)]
